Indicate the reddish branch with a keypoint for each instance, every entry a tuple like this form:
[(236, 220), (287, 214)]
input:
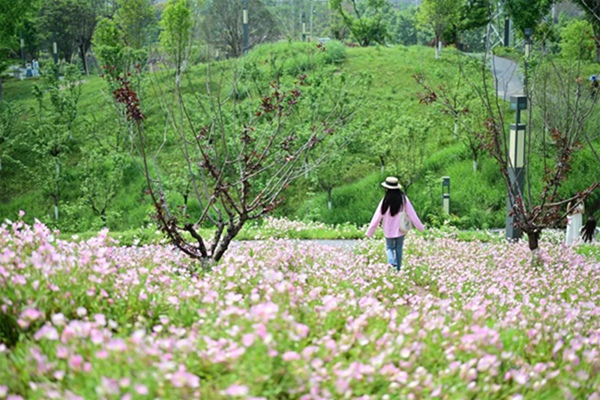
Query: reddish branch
[(230, 164)]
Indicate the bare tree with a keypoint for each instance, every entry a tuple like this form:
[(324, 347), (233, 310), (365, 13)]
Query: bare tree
[(560, 104), (241, 148)]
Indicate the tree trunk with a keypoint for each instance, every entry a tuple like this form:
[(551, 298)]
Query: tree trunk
[(329, 198), (232, 231), (474, 165), (83, 60), (1, 87), (438, 48)]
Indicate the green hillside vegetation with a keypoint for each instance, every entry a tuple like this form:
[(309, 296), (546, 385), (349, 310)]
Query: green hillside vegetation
[(390, 134)]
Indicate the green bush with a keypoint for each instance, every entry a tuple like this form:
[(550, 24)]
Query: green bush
[(577, 40)]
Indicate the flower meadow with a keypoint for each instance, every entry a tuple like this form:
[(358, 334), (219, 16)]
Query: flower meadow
[(282, 319)]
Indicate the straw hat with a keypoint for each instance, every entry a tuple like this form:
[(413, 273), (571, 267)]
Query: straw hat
[(391, 183)]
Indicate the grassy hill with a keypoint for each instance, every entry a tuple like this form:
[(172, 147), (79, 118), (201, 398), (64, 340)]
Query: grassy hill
[(478, 197)]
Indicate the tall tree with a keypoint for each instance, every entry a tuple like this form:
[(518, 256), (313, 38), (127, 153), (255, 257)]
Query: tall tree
[(176, 27), (473, 14), (109, 46), (73, 22), (364, 18), (223, 25), (136, 18), (52, 130), (403, 27), (439, 16), (527, 13)]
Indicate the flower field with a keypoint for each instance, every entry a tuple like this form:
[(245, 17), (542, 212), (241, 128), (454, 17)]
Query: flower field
[(282, 319)]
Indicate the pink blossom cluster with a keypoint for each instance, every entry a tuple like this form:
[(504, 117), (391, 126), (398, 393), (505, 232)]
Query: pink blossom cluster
[(288, 319)]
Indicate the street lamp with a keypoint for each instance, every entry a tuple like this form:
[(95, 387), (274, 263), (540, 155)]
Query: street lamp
[(245, 25), (303, 26), (528, 43), (506, 31), (446, 194), (516, 163)]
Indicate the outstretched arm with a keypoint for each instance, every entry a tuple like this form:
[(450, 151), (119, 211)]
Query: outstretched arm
[(375, 220), (412, 214)]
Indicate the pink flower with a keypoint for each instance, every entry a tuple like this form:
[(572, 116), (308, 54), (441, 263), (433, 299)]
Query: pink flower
[(341, 385), (248, 339), (58, 319), (183, 378), (290, 356), (302, 330), (519, 377), (141, 389), (236, 391), (75, 361), (31, 314), (110, 386), (102, 354), (62, 352), (100, 319), (48, 332)]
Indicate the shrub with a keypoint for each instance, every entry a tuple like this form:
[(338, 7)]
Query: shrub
[(577, 40)]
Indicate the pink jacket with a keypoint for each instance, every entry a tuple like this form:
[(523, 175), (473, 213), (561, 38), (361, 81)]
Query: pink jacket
[(391, 224)]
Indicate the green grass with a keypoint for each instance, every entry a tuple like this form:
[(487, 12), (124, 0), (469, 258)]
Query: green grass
[(477, 198)]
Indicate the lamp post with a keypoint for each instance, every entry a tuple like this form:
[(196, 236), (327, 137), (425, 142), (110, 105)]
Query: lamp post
[(446, 194), (516, 163), (528, 43), (506, 31), (245, 25), (303, 26)]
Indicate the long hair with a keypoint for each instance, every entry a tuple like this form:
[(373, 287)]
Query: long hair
[(394, 200)]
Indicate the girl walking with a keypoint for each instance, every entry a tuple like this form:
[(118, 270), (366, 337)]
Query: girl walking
[(391, 212)]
